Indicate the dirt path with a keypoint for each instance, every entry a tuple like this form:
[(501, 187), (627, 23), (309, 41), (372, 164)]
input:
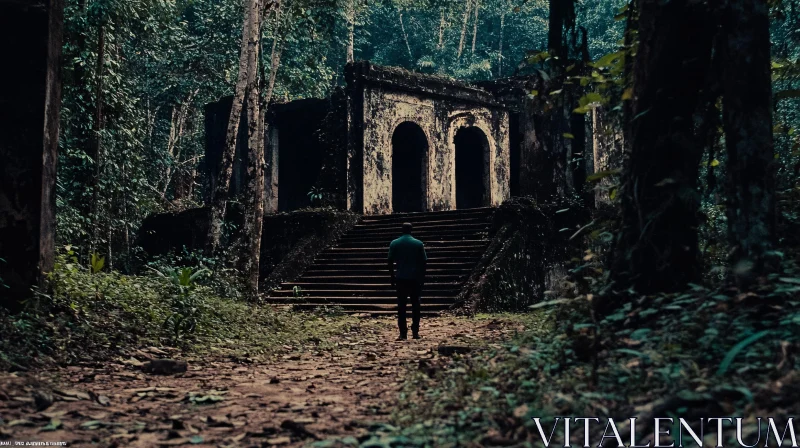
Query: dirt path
[(301, 396)]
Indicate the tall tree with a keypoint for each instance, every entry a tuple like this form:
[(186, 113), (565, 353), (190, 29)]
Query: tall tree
[(657, 246), (475, 25), (351, 27), (96, 141), (247, 60), (254, 193), (30, 112), (467, 7), (747, 120)]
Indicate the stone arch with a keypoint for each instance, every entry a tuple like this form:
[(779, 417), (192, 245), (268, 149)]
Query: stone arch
[(472, 168), (479, 121), (409, 174)]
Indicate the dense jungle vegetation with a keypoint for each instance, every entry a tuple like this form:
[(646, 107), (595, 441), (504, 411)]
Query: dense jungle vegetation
[(683, 299)]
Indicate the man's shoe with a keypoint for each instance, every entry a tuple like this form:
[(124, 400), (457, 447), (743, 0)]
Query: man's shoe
[(416, 336), (402, 337)]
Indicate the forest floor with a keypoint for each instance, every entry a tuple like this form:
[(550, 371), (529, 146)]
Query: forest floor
[(294, 398)]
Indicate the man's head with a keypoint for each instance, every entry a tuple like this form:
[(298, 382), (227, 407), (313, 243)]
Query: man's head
[(407, 228)]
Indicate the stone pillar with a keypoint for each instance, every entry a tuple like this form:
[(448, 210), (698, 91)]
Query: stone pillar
[(30, 102), (271, 176)]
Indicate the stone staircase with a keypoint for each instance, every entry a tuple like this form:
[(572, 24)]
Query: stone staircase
[(354, 274)]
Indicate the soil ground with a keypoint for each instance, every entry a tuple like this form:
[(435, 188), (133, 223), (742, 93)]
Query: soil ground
[(302, 395)]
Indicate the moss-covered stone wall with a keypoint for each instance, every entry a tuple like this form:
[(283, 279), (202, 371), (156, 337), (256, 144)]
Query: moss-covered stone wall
[(531, 243)]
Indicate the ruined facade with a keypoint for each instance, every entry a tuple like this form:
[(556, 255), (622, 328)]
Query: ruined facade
[(390, 141), (420, 143)]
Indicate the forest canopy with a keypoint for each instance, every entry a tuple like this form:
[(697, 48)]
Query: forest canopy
[(138, 73)]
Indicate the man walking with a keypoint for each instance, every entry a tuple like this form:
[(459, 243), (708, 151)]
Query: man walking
[(409, 255)]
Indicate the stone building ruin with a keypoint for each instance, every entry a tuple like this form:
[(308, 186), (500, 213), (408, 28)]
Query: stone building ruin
[(390, 141)]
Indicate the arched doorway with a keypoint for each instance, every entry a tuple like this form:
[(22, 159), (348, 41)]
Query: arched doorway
[(409, 167), (472, 168)]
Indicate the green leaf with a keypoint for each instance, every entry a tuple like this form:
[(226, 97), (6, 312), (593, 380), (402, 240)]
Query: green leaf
[(53, 425), (568, 135), (591, 98), (601, 175), (92, 424), (726, 362), (627, 94), (608, 60), (549, 303), (97, 263), (628, 351)]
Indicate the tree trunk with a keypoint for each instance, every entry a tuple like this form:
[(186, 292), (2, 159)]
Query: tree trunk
[(557, 174), (254, 194), (441, 30), (500, 45), (96, 152), (405, 37), (351, 27), (475, 26), (555, 30), (30, 108), (220, 196), (176, 132), (657, 248), (747, 120), (468, 4), (271, 159)]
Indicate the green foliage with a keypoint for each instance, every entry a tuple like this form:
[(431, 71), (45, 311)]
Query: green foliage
[(187, 307), (97, 263), (90, 317), (315, 195)]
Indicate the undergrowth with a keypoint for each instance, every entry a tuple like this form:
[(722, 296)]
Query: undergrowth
[(712, 350), (89, 317)]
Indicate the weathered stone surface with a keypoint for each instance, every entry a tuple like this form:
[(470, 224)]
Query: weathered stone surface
[(382, 98), (294, 150), (347, 146), (289, 241)]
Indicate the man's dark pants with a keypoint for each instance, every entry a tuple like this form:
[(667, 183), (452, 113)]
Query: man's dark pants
[(408, 289)]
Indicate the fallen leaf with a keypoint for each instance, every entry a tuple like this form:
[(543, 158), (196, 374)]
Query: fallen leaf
[(53, 425), (20, 422)]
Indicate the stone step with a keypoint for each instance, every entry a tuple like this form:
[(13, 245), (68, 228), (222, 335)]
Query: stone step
[(468, 223), (430, 216), (369, 308), (382, 266), (375, 278), (383, 252), (380, 259), (432, 244), (354, 300), (453, 235), (387, 292), (373, 272), (372, 286)]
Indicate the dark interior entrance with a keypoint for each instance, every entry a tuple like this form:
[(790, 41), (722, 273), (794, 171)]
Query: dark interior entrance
[(472, 168), (300, 152), (409, 151)]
